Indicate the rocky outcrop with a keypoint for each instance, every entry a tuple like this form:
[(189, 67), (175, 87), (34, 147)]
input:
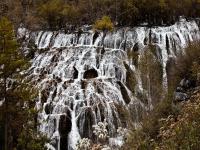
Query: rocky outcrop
[(181, 91), (180, 96), (124, 93), (85, 122), (75, 75), (91, 73), (65, 126)]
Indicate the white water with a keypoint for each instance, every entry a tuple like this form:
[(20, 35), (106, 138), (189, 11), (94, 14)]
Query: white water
[(84, 102)]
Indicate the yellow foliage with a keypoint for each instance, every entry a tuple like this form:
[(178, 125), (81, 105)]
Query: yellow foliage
[(104, 24)]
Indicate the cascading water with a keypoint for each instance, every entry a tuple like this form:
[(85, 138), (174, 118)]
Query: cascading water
[(82, 83)]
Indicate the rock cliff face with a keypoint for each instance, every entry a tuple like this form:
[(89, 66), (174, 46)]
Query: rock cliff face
[(82, 83)]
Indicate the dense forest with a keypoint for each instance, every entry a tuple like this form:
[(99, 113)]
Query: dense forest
[(57, 14)]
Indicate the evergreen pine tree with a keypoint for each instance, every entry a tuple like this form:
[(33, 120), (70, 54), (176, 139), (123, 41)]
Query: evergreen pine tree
[(16, 96)]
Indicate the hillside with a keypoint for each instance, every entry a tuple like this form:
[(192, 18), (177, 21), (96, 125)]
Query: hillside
[(175, 131), (174, 122)]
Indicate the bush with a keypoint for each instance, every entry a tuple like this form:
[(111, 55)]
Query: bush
[(104, 24), (146, 137), (186, 66), (182, 132), (57, 13)]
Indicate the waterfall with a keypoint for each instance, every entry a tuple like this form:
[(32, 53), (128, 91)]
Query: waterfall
[(82, 84)]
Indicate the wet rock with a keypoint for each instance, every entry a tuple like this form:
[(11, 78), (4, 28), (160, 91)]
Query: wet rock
[(89, 74), (44, 96), (54, 142), (96, 34), (102, 52), (54, 94), (60, 49), (154, 38), (64, 85), (167, 45), (65, 126), (124, 93), (85, 122), (180, 96), (54, 58), (83, 84), (185, 84), (145, 41), (179, 89), (48, 109), (99, 90), (58, 79), (130, 79), (71, 81), (41, 76), (136, 47), (40, 51), (75, 75), (77, 97), (31, 53), (102, 111)]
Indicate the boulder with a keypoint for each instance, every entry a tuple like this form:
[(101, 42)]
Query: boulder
[(180, 96), (179, 89), (186, 84)]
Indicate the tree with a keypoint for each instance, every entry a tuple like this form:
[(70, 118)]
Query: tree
[(128, 12), (70, 14), (104, 24), (57, 13), (50, 12), (15, 94)]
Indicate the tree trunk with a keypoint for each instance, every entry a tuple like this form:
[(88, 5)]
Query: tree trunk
[(6, 117)]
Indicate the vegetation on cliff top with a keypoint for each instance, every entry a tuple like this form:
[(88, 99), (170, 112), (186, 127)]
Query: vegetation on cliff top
[(57, 14)]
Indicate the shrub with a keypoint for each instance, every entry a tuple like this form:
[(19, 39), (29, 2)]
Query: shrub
[(57, 13), (146, 137), (185, 66), (182, 132), (104, 24)]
